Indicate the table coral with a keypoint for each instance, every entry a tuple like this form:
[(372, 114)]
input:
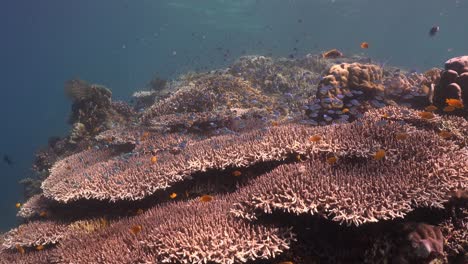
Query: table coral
[(284, 173)]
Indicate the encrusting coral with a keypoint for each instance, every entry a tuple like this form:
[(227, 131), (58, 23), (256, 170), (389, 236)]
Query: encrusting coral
[(257, 163)]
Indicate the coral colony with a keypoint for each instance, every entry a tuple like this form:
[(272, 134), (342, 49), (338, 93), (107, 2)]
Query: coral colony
[(321, 159)]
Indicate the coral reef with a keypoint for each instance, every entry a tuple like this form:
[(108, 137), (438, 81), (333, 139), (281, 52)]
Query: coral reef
[(93, 110), (453, 82), (308, 160)]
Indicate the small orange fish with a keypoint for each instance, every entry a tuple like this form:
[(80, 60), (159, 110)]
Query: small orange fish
[(136, 229), (385, 115), (332, 160), (332, 54), (43, 214), (431, 108), (274, 123), (154, 159), (364, 45), (445, 134), (206, 198), (236, 173), (345, 110), (315, 138), (173, 195), (139, 211), (426, 115), (449, 109), (20, 249), (103, 221), (454, 102), (298, 157), (401, 136), (40, 247), (380, 154), (18, 205)]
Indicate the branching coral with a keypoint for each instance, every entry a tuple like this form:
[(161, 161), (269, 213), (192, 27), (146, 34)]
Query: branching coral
[(193, 232), (265, 185), (34, 234), (419, 171), (209, 92)]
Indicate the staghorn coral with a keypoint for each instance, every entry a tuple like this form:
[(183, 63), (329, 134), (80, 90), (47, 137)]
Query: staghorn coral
[(34, 206), (419, 171), (35, 233), (192, 232)]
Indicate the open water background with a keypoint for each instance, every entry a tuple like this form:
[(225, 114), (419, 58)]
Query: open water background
[(123, 43)]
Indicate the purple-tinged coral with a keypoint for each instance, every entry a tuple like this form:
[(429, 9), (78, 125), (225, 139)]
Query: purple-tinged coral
[(191, 232)]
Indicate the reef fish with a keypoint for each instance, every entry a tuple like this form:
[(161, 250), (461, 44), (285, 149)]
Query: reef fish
[(434, 31), (7, 160)]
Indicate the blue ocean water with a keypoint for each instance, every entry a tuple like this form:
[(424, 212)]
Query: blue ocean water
[(123, 43)]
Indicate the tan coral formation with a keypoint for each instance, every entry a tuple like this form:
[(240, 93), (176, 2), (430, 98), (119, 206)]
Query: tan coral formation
[(420, 171), (193, 232), (34, 234), (33, 207)]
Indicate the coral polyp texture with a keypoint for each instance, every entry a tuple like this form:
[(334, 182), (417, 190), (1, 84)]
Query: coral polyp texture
[(321, 159), (348, 182)]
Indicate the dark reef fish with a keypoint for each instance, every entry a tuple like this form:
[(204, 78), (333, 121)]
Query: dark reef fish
[(7, 160), (434, 31)]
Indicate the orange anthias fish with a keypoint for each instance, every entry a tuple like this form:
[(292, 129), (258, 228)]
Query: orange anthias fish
[(40, 247), (43, 214), (173, 195), (145, 135), (454, 103), (431, 108), (18, 205), (154, 159), (206, 198), (401, 136), (449, 108), (139, 211), (136, 229), (332, 54), (445, 134), (364, 45), (380, 154), (332, 160), (315, 138), (236, 173), (20, 249), (426, 115), (298, 157)]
